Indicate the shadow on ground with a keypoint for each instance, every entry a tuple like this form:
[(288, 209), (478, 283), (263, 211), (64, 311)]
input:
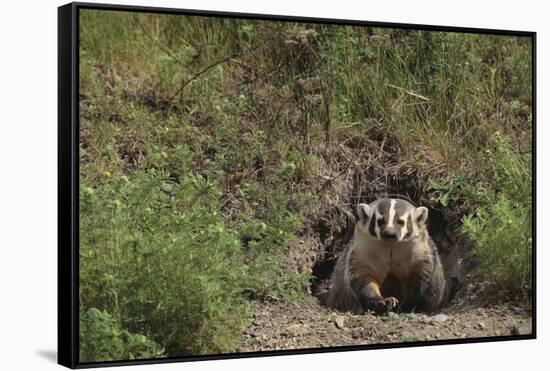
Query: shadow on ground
[(50, 355)]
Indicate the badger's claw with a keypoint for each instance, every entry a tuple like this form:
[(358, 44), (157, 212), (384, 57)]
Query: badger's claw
[(390, 302), (385, 305)]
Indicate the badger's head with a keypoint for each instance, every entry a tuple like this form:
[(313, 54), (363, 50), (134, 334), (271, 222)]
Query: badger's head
[(392, 219)]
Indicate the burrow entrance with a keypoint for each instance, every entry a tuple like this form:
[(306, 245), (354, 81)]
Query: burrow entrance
[(333, 229)]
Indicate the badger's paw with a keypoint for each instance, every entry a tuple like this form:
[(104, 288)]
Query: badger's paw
[(391, 302), (385, 305)]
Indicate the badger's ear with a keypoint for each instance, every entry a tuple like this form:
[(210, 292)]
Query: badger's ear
[(364, 211), (421, 214)]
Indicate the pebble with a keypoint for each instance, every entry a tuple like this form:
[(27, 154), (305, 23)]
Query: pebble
[(481, 325), (339, 321), (250, 332), (440, 317), (406, 334)]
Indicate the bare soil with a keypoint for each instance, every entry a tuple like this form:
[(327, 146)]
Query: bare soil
[(278, 326)]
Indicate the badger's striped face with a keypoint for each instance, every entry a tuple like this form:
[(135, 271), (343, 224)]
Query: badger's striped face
[(392, 219)]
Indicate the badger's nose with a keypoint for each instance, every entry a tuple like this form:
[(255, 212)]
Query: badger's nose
[(389, 235)]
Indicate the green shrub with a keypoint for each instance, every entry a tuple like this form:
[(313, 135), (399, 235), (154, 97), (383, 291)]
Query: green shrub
[(102, 339), (501, 226), (157, 256), (502, 234)]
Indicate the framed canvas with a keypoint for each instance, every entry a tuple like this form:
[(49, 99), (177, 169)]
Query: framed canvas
[(236, 185)]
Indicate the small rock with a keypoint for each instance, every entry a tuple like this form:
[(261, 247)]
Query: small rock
[(440, 317), (483, 312), (481, 325), (339, 321), (294, 330), (406, 334), (250, 332)]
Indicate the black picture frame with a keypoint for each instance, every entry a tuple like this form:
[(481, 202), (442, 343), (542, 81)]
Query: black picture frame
[(68, 181)]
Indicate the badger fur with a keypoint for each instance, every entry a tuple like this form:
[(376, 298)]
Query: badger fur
[(390, 263)]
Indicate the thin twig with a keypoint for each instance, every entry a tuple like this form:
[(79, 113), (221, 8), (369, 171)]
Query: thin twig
[(198, 74), (208, 68), (408, 92)]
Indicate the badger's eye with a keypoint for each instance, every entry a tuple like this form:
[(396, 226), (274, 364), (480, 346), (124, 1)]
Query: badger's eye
[(380, 222), (401, 222)]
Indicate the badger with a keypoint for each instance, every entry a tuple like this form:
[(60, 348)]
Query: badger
[(391, 262)]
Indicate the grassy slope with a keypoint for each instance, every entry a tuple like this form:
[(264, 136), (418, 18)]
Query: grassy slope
[(263, 118)]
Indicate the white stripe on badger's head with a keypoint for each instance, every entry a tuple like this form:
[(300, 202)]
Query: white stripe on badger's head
[(391, 213)]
